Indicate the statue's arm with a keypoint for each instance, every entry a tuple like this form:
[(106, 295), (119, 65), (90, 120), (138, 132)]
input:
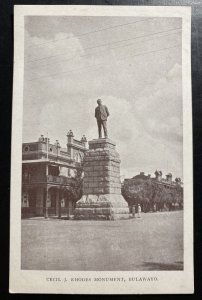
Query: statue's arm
[(95, 113), (107, 111)]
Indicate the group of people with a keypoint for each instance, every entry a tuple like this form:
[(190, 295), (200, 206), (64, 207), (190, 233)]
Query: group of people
[(138, 211)]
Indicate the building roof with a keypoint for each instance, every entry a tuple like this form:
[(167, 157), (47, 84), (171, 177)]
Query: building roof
[(70, 164)]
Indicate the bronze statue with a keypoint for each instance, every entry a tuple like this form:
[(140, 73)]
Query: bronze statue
[(101, 114)]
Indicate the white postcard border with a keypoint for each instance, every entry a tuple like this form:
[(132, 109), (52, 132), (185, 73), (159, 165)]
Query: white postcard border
[(28, 281)]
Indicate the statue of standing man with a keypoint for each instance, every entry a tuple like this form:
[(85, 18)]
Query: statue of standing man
[(101, 114)]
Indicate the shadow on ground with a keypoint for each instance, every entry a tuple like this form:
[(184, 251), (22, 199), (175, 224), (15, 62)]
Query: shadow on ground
[(151, 266)]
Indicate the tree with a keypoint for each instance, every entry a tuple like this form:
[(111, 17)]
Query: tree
[(75, 188), (151, 195), (138, 192)]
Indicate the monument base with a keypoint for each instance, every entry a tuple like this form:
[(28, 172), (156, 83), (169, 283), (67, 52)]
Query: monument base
[(102, 199), (101, 207)]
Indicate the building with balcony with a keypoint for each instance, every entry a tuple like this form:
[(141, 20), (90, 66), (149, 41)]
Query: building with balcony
[(167, 182), (51, 175)]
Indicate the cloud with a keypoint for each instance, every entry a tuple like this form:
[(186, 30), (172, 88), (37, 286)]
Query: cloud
[(160, 109), (143, 93), (44, 57)]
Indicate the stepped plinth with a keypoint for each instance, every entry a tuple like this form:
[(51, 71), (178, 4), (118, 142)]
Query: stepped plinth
[(102, 197)]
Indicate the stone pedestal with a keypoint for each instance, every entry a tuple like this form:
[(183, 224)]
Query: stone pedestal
[(102, 197)]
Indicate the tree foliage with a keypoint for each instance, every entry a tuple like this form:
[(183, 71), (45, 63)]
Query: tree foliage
[(152, 195), (74, 189)]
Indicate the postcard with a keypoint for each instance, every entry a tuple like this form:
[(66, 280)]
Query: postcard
[(101, 170)]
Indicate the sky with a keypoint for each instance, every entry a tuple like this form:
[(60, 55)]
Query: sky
[(133, 64)]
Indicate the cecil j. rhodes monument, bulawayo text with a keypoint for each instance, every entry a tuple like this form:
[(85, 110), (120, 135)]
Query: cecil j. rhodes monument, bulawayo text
[(102, 197)]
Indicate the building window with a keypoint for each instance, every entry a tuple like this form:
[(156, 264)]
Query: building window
[(77, 157), (26, 148)]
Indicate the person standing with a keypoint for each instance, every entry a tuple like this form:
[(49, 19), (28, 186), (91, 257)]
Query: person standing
[(133, 211), (139, 211), (101, 114)]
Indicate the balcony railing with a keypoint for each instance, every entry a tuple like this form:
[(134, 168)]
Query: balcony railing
[(59, 179), (48, 179), (76, 142)]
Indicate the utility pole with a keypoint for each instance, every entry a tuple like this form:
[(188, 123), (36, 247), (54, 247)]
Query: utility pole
[(47, 142), (57, 146), (46, 191)]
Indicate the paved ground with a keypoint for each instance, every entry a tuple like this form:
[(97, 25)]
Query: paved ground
[(154, 242)]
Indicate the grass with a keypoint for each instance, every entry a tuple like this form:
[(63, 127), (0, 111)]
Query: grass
[(154, 242)]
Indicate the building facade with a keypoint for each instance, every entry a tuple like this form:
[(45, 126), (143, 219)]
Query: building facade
[(51, 175)]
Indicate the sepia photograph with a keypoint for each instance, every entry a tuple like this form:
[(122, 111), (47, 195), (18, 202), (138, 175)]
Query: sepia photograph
[(104, 164)]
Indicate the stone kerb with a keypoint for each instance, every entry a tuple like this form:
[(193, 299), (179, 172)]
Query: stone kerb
[(101, 144)]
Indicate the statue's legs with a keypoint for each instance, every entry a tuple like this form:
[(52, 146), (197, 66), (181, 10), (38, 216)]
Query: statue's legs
[(99, 124), (104, 124)]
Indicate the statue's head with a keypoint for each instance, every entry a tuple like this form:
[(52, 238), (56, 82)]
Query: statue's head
[(99, 101)]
